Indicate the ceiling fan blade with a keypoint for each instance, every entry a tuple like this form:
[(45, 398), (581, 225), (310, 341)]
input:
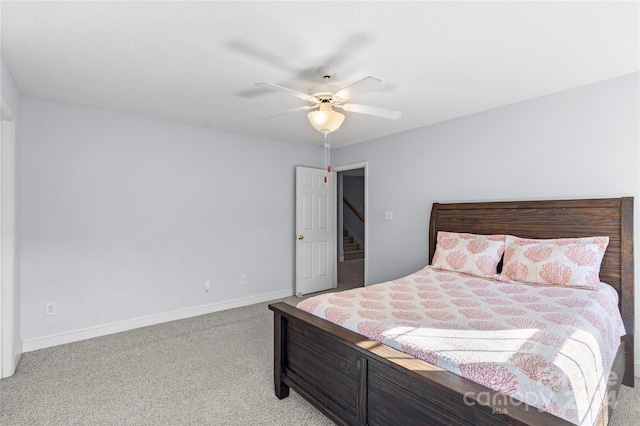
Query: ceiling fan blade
[(392, 114), (360, 87), (287, 111), (283, 89)]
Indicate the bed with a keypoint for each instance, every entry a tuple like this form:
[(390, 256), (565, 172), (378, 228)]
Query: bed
[(357, 380)]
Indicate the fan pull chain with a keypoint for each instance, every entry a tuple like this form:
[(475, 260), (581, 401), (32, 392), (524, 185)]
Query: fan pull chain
[(325, 158), (327, 152)]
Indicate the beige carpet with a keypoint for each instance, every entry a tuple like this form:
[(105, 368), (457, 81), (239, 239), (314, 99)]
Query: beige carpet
[(213, 369), (350, 274), (628, 411)]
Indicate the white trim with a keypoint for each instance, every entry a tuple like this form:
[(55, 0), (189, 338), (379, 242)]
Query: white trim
[(117, 327), (636, 368), (10, 349)]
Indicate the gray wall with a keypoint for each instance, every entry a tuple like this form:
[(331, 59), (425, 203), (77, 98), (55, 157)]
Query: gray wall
[(9, 90), (124, 217), (579, 143)]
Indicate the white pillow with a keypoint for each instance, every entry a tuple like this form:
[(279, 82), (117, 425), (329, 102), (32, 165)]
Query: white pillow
[(573, 262), (469, 253)]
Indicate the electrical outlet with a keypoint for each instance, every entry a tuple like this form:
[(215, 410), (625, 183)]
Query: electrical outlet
[(207, 285), (243, 279), (50, 308)]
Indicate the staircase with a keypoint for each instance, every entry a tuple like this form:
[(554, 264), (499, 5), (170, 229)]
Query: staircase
[(351, 249)]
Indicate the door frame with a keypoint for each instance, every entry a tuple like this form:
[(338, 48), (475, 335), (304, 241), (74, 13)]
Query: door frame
[(10, 348), (352, 166)]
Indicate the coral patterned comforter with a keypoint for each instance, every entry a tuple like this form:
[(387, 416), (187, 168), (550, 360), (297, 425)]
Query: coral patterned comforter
[(551, 347)]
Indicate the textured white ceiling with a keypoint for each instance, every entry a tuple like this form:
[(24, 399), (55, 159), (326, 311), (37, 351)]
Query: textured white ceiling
[(197, 62)]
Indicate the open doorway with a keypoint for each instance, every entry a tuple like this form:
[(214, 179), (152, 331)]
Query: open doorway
[(351, 225)]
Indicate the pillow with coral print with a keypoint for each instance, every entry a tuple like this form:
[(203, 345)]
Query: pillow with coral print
[(573, 262), (469, 253)]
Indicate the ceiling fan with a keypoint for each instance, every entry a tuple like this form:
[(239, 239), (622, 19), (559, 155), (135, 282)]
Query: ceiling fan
[(325, 98)]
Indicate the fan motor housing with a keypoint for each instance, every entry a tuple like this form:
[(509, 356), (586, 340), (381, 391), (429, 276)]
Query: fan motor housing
[(324, 91)]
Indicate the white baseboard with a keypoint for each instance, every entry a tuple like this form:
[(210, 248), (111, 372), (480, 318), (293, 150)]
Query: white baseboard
[(117, 327)]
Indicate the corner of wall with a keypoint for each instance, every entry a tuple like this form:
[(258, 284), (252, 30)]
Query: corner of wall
[(9, 89)]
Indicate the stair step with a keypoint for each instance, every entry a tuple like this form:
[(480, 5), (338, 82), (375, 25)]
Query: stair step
[(356, 254), (351, 249)]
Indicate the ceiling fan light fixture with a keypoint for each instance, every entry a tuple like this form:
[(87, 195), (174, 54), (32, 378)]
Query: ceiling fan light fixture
[(326, 120)]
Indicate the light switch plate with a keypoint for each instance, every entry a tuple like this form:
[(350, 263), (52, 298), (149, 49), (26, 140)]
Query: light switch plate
[(388, 215), (50, 308)]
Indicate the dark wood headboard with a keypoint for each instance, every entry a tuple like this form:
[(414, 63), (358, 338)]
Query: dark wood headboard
[(612, 217)]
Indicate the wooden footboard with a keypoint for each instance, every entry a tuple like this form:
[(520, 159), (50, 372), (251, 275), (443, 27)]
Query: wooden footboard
[(357, 381)]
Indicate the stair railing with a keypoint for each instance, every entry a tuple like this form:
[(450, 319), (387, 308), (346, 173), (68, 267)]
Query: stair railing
[(353, 209)]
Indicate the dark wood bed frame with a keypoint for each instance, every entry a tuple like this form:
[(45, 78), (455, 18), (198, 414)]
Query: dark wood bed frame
[(357, 381)]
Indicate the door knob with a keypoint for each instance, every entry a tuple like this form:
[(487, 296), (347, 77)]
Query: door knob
[(300, 237)]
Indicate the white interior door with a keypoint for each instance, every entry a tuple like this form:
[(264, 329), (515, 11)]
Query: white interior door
[(315, 231)]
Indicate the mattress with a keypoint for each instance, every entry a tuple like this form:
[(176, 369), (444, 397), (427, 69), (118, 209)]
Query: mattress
[(548, 346)]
